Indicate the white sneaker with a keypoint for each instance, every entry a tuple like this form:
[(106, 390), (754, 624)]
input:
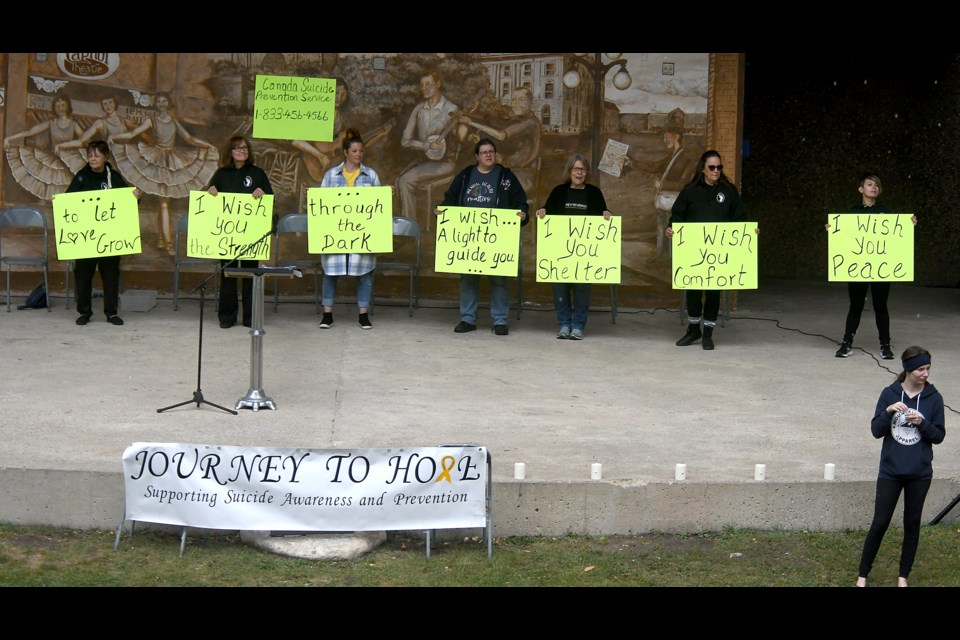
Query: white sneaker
[(576, 334)]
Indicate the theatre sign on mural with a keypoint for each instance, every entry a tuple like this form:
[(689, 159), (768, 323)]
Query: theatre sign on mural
[(642, 119)]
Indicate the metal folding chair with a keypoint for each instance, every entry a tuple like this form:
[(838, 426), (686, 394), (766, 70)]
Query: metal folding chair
[(406, 228), (25, 220), (294, 223)]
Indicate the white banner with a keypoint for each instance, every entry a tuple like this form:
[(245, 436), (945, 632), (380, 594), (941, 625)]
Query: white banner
[(277, 489)]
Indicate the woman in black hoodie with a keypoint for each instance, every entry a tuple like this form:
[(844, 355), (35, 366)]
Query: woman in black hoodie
[(98, 174), (909, 418)]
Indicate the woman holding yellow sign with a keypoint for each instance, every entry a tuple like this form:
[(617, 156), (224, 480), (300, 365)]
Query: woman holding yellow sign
[(162, 167), (574, 197), (709, 197), (238, 174), (349, 173), (98, 174)]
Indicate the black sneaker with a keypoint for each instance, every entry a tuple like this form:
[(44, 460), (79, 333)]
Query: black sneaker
[(115, 320), (845, 350), (327, 321), (82, 320), (464, 327), (692, 335), (226, 324), (365, 321), (500, 330), (885, 352)]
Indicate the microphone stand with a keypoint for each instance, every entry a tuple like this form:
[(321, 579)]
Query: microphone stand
[(198, 394)]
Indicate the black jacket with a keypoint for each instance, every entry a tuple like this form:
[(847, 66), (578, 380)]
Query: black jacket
[(510, 195)]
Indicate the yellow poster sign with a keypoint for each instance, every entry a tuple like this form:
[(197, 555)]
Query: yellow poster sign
[(870, 247), (229, 225), (288, 108), (91, 224), (478, 241), (350, 220), (715, 255), (578, 249)]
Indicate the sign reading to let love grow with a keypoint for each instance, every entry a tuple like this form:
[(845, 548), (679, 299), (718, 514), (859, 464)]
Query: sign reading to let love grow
[(91, 224), (578, 249), (350, 220), (229, 225), (870, 247), (296, 489), (715, 255), (286, 108), (478, 241)]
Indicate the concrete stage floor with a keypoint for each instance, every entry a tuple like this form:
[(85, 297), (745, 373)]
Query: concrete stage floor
[(771, 393)]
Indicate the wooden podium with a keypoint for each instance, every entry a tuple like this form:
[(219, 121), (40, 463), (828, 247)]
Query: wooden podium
[(256, 397)]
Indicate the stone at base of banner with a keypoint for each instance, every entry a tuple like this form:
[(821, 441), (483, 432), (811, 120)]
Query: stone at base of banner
[(317, 546)]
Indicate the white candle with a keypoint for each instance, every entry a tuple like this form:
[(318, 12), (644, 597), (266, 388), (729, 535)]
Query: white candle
[(760, 472), (596, 471), (680, 473), (519, 470), (829, 471)]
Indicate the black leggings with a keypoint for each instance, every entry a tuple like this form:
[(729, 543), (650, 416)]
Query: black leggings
[(888, 493), (880, 292)]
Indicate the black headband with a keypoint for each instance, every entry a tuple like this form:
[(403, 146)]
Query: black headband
[(915, 362)]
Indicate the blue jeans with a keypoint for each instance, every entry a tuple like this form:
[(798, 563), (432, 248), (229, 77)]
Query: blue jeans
[(470, 295), (579, 294), (364, 290)]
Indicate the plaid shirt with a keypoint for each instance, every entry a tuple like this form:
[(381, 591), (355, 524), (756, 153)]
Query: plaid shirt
[(354, 264)]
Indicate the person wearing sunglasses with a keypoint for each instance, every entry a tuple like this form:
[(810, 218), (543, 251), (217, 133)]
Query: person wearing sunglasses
[(708, 197)]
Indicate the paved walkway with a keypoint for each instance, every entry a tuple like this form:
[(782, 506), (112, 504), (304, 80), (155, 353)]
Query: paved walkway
[(625, 397)]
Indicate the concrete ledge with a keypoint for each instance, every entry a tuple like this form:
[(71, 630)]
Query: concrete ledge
[(95, 500)]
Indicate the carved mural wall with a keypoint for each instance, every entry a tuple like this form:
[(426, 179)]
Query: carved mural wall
[(645, 115)]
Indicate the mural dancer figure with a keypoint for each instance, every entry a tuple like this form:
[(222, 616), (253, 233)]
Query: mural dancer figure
[(427, 130), (489, 185), (349, 173), (110, 124), (162, 168), (574, 197), (909, 418), (37, 167)]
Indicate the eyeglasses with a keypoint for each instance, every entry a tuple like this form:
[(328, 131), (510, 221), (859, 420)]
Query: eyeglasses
[(578, 170), (240, 149), (715, 167), (486, 153)]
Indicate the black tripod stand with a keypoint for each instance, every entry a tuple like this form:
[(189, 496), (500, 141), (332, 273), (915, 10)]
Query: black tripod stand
[(198, 394), (946, 510)]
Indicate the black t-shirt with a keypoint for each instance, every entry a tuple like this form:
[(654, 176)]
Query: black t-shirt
[(481, 188)]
